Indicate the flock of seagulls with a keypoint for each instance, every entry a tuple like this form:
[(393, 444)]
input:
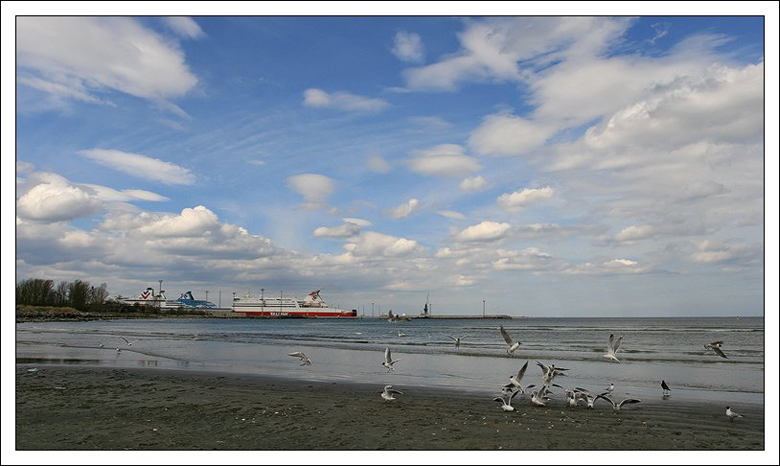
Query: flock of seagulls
[(541, 395)]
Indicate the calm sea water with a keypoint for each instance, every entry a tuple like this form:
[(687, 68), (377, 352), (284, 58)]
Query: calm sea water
[(653, 349)]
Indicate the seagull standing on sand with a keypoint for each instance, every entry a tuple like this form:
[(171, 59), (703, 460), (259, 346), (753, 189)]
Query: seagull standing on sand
[(388, 362), (387, 393), (506, 401), (731, 414), (666, 388), (539, 398), (715, 346), (456, 340), (616, 406), (514, 380), (305, 361), (513, 345), (610, 389), (613, 347)]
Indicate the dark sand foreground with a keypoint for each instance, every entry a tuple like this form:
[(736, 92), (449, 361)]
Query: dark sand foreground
[(79, 408)]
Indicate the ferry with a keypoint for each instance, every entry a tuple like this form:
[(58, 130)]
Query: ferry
[(149, 298), (310, 306)]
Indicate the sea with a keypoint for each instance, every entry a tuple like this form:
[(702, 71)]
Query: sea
[(352, 350)]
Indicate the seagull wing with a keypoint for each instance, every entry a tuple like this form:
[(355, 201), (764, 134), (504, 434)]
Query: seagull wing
[(716, 343), (125, 339), (545, 367), (617, 344), (605, 398), (611, 343), (521, 372), (514, 394), (297, 354), (508, 339), (629, 401), (388, 358), (719, 352), (452, 338)]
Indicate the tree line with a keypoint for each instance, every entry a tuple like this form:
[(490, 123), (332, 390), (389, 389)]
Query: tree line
[(76, 294)]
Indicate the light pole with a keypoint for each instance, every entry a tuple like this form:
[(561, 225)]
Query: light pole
[(207, 295), (483, 308), (372, 309)]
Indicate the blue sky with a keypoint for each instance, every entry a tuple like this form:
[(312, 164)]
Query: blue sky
[(552, 166)]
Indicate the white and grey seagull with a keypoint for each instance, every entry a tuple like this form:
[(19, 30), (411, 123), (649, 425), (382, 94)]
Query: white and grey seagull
[(550, 372), (715, 346), (305, 361), (387, 393), (129, 343), (456, 340), (513, 345), (731, 414), (515, 380), (388, 362), (616, 406), (506, 401), (612, 348), (539, 397)]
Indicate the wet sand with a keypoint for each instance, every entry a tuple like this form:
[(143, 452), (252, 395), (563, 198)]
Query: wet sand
[(84, 408)]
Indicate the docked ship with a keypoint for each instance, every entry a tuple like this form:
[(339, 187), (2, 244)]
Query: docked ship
[(310, 306), (149, 298)]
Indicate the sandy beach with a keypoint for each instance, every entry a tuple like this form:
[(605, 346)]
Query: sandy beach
[(85, 408)]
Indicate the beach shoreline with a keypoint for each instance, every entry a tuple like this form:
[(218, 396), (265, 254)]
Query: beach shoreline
[(98, 408)]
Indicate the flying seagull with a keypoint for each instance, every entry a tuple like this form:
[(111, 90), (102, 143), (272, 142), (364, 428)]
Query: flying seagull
[(666, 388), (616, 406), (387, 393), (513, 345), (305, 361), (401, 334), (715, 346), (731, 414), (613, 347), (550, 372), (388, 362), (506, 401), (390, 317), (514, 380), (456, 340), (129, 343), (539, 397)]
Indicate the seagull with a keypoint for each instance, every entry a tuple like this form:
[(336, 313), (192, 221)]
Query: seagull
[(584, 395), (456, 340), (305, 361), (506, 401), (387, 393), (613, 347), (390, 317), (513, 345), (666, 388), (401, 334), (388, 362), (571, 398), (550, 372), (610, 389), (101, 344), (538, 397), (616, 406), (715, 346), (129, 343), (118, 350), (731, 414), (514, 380)]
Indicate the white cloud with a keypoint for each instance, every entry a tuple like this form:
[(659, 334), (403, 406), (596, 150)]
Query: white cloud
[(371, 244), (190, 222), (357, 221), (473, 184), (107, 194), (530, 259), (443, 160), (56, 200), (427, 124), (503, 135), (345, 230), (79, 57), (519, 199), (405, 209), (484, 231), (491, 49), (185, 27), (342, 101), (141, 166), (314, 188), (407, 46), (610, 267), (635, 233), (379, 165), (451, 214)]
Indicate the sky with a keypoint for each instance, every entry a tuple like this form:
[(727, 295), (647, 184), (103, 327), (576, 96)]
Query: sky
[(548, 166)]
